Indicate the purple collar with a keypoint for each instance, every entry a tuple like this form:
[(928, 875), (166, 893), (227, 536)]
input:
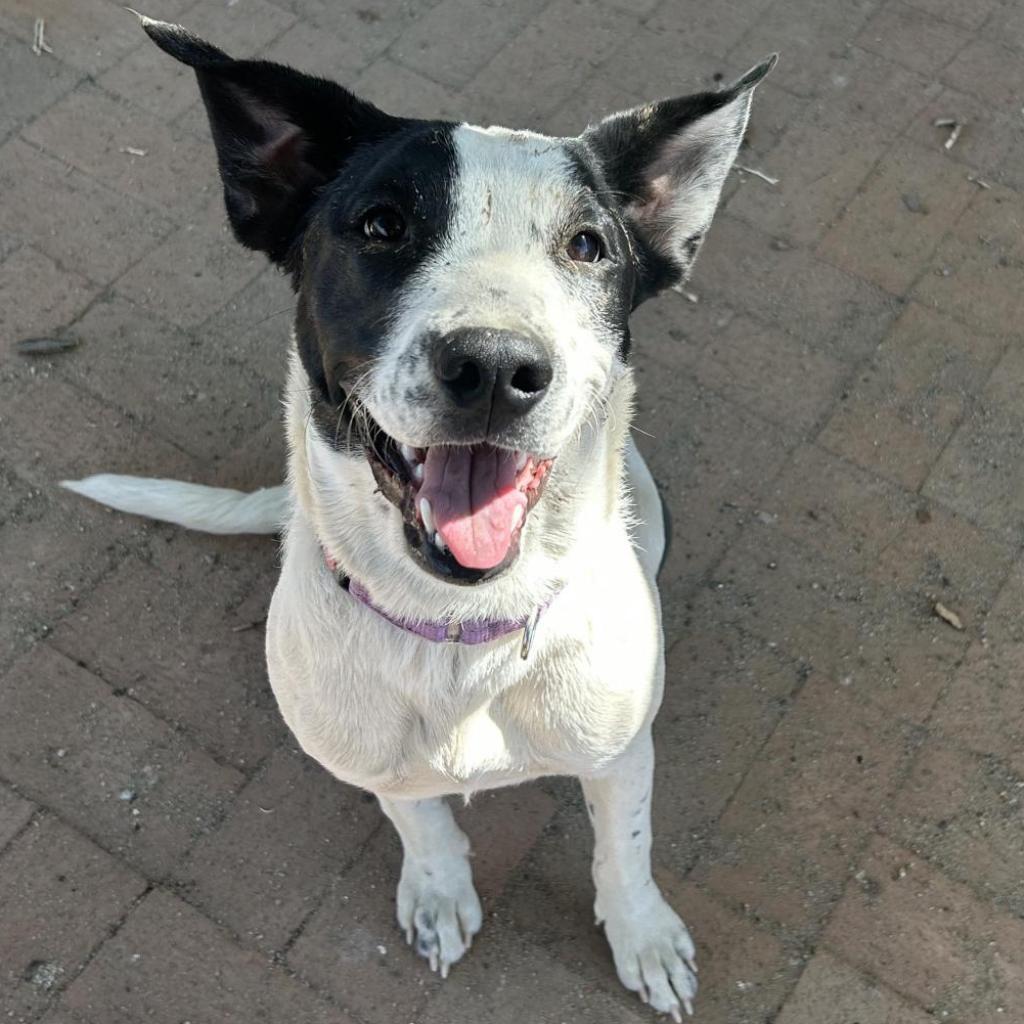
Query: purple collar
[(469, 631)]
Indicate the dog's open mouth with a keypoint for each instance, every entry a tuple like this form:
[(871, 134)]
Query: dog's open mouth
[(464, 506)]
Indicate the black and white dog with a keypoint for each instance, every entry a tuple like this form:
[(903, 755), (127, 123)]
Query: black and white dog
[(467, 597)]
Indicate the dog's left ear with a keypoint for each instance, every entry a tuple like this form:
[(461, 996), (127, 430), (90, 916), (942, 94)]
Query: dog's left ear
[(279, 135), (668, 162)]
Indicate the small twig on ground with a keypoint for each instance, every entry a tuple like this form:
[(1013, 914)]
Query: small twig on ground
[(757, 174), (39, 43), (948, 616), (133, 151), (981, 183), (955, 126)]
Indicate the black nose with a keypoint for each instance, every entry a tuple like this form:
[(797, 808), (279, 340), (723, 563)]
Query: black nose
[(501, 372)]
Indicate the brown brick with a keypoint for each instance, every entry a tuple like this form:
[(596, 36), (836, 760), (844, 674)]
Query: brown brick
[(105, 764), (904, 404), (84, 226), (90, 35), (191, 274), (962, 812), (28, 85), (810, 38), (669, 331), (150, 78), (983, 710), (655, 63), (977, 273), (179, 390), (15, 813), (775, 375), (792, 290), (37, 297), (404, 92), (912, 37), (59, 897), (885, 645), (352, 949), (891, 228), (291, 830), (454, 39), (549, 57), (199, 667), (819, 163), (91, 130), (989, 70), (979, 472), (791, 833), (830, 992), (170, 964), (929, 938)]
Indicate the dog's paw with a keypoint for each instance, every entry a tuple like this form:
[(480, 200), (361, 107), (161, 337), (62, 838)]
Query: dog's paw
[(438, 909), (653, 952)]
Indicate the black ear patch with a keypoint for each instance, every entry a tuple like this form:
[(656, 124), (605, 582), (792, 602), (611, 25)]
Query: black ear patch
[(668, 160), (280, 135)]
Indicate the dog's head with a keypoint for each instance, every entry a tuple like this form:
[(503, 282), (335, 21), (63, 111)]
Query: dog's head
[(463, 293)]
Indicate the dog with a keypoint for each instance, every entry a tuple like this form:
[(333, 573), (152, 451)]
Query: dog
[(467, 596)]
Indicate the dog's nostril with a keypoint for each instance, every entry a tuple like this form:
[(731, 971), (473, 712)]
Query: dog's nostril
[(464, 379), (531, 378)]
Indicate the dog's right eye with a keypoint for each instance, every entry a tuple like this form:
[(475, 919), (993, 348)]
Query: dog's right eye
[(384, 225)]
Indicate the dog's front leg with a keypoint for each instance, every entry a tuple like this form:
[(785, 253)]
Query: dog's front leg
[(652, 949), (438, 907)]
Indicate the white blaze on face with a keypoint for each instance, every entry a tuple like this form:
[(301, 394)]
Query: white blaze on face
[(501, 265)]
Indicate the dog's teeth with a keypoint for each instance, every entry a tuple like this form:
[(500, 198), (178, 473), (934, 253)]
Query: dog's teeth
[(409, 454), (517, 516), (427, 515), (521, 458), (439, 542), (417, 472)]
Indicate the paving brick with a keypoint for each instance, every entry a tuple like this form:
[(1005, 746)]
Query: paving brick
[(892, 227), (151, 79), (712, 28), (979, 472), (989, 70), (401, 91), (810, 37), (885, 645), (790, 288), (182, 390), (961, 812), (84, 226), (60, 895), (89, 35), (201, 668), (977, 273), (725, 692), (983, 709), (905, 402), (912, 37), (790, 835), (555, 51), (37, 298), (863, 85), (28, 85), (928, 938), (319, 51), (781, 378), (456, 38), (190, 275), (596, 98), (300, 827), (820, 163), (15, 813), (972, 14), (170, 964), (352, 949), (830, 992), (92, 130), (105, 764), (669, 331)]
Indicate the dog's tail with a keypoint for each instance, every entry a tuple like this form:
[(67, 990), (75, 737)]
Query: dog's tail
[(209, 509)]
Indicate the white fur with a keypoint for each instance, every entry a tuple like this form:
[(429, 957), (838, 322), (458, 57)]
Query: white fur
[(195, 506)]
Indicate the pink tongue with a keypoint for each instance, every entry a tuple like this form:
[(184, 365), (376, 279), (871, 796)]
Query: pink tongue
[(473, 496)]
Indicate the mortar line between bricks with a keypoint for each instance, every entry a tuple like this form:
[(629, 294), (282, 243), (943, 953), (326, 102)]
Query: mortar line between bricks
[(32, 820)]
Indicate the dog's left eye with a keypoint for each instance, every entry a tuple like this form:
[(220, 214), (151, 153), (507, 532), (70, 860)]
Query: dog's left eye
[(584, 247), (384, 225)]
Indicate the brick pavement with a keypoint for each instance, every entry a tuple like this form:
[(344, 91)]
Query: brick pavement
[(840, 773)]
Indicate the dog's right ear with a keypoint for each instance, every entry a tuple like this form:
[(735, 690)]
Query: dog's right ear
[(279, 135)]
